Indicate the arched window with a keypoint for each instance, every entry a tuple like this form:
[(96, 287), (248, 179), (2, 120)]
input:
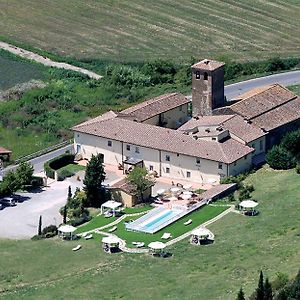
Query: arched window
[(197, 74), (205, 77)]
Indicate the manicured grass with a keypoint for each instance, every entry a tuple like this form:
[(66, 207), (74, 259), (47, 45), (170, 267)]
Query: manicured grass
[(73, 168), (140, 30), (243, 246), (295, 89), (137, 209), (176, 229), (96, 222)]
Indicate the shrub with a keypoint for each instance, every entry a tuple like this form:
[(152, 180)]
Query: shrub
[(63, 174), (291, 142), (298, 168), (36, 181), (78, 221), (52, 229), (56, 163), (280, 159)]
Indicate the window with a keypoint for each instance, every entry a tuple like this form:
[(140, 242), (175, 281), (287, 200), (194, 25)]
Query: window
[(137, 150), (245, 157), (109, 143), (180, 108), (128, 147), (167, 170), (188, 174), (168, 158), (205, 77), (234, 163), (151, 168), (220, 166), (197, 74), (261, 145), (198, 161), (214, 139)]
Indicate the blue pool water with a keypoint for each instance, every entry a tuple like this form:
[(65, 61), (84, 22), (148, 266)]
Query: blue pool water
[(160, 219)]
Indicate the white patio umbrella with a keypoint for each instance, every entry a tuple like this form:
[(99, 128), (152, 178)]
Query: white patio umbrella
[(186, 196), (157, 245), (248, 204), (111, 240), (187, 193), (201, 232), (175, 189)]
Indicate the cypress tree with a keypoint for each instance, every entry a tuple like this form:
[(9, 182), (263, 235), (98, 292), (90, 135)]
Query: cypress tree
[(40, 226), (65, 215), (260, 293), (69, 192), (268, 293), (241, 295)]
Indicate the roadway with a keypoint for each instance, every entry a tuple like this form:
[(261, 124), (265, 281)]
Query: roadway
[(285, 79)]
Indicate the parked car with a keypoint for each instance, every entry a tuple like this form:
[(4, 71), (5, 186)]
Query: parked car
[(8, 201), (1, 206)]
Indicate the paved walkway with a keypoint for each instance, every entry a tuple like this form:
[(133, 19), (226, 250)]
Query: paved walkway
[(46, 61)]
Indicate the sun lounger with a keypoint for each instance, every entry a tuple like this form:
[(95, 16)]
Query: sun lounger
[(188, 222), (138, 244), (112, 229), (88, 236), (166, 236), (76, 248)]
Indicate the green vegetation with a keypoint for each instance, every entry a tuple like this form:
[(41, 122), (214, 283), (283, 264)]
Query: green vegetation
[(95, 223), (72, 168), (214, 272), (58, 163), (176, 229), (15, 70), (286, 155), (295, 89), (139, 30), (93, 182)]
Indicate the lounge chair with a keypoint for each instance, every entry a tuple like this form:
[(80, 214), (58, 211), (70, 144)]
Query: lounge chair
[(108, 214), (166, 236), (76, 248), (88, 236), (112, 229), (138, 244), (188, 222)]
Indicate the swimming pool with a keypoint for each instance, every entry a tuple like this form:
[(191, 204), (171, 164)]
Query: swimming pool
[(155, 220)]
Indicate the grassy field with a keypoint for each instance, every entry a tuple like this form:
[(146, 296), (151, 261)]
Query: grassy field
[(244, 246), (14, 71), (139, 30), (295, 89)]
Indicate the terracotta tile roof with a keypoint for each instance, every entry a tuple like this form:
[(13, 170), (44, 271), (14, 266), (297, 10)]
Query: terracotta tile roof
[(279, 116), (261, 102), (233, 123), (164, 139), (124, 186), (155, 106), (205, 121), (4, 151), (242, 129), (207, 64)]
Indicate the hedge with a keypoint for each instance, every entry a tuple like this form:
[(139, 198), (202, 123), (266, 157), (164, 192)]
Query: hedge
[(56, 163)]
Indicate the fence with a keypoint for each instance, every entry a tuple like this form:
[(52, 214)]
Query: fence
[(42, 152)]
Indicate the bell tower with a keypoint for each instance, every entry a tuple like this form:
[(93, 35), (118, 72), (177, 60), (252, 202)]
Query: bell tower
[(208, 87)]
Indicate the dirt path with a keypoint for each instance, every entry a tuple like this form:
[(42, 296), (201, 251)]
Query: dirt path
[(46, 61)]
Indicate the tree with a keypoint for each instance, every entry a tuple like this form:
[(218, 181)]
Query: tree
[(24, 174), (268, 293), (260, 292), (279, 158), (69, 192), (140, 180), (65, 214), (10, 184), (40, 226), (241, 295), (291, 142), (94, 177)]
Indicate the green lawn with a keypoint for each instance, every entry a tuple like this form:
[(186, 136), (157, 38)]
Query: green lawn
[(73, 168), (134, 30), (176, 229), (243, 246), (295, 89)]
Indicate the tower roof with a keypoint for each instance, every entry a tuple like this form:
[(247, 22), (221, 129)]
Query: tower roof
[(209, 65)]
